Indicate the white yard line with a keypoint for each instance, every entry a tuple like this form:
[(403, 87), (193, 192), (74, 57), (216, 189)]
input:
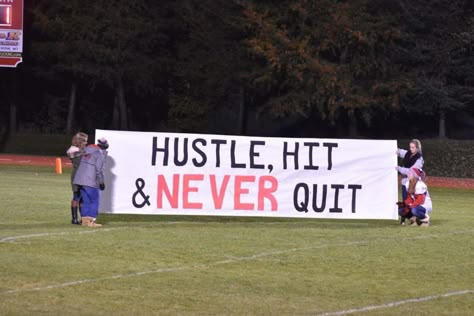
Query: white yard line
[(397, 303), (86, 230), (96, 230), (77, 282), (15, 238), (202, 266), (182, 268)]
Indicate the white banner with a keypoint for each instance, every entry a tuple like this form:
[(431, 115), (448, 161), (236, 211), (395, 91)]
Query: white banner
[(194, 174)]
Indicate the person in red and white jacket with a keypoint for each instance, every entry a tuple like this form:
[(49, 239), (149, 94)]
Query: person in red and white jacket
[(417, 206)]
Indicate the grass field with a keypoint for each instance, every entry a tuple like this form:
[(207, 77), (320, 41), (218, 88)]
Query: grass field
[(168, 265)]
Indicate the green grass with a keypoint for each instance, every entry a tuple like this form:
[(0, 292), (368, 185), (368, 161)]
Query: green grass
[(222, 265)]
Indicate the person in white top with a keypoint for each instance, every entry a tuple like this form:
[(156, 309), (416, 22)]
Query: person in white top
[(417, 206)]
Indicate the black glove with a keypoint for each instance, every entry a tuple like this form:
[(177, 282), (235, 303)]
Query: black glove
[(401, 204), (102, 186)]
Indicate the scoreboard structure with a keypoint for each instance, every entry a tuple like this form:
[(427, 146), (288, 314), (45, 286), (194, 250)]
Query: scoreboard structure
[(11, 32)]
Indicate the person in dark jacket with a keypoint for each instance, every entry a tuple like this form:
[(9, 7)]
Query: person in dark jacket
[(74, 153), (90, 178), (412, 158)]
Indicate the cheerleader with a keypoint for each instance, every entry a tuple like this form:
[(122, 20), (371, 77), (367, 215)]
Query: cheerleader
[(412, 158), (417, 206), (74, 153)]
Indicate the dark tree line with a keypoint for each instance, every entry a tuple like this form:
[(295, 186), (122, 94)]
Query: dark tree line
[(311, 68)]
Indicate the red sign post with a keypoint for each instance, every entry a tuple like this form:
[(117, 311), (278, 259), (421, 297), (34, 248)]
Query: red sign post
[(11, 32)]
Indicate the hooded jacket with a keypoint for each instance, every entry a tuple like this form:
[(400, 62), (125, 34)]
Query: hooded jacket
[(91, 169)]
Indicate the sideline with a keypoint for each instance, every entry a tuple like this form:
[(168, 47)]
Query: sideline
[(86, 230), (11, 239), (397, 303), (14, 238), (216, 263)]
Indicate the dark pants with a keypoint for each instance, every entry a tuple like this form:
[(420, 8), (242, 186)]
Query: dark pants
[(418, 211), (76, 196), (404, 193), (402, 212), (90, 202)]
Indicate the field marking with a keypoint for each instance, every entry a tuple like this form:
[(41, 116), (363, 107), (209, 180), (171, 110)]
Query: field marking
[(12, 239), (182, 268), (83, 281), (205, 266), (397, 303)]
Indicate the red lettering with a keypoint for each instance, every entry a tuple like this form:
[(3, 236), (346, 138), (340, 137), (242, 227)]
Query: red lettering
[(264, 192), (163, 187), (218, 198), (170, 192), (187, 188), (238, 191)]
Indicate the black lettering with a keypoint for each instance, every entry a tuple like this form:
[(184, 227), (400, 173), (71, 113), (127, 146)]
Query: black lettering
[(336, 209), (330, 146), (218, 143), (233, 164), (254, 154), (301, 206), (287, 153), (199, 152), (155, 149), (354, 188), (176, 152), (323, 199), (311, 166)]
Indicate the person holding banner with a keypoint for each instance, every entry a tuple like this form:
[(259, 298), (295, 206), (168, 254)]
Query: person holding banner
[(417, 205), (90, 178), (74, 153), (412, 158)]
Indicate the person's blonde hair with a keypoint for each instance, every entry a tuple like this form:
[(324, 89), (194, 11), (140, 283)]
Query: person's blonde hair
[(417, 144), (79, 140)]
